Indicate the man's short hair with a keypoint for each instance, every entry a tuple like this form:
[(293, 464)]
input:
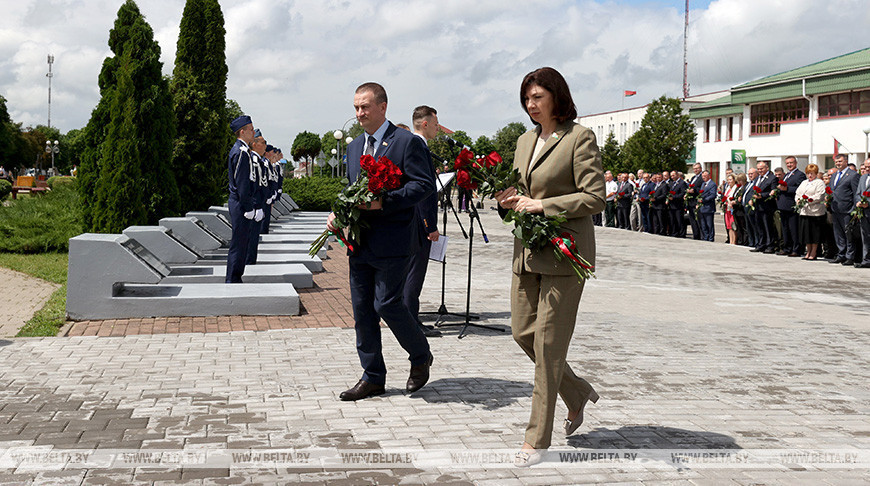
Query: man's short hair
[(839, 156), (421, 113), (790, 157), (377, 90), (705, 171), (403, 126)]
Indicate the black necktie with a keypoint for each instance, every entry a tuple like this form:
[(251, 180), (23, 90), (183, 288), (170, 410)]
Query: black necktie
[(370, 146)]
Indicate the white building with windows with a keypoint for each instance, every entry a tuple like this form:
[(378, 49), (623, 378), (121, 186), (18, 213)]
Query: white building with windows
[(800, 112)]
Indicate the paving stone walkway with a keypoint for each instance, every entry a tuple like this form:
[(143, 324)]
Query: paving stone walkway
[(23, 295), (714, 365)]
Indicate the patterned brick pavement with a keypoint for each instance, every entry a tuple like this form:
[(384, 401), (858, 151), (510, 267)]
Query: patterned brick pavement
[(327, 304)]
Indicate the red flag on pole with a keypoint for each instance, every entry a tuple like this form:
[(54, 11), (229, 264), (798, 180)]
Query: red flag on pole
[(836, 147), (629, 93)]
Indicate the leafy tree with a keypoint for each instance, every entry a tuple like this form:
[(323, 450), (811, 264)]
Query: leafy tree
[(610, 155), (462, 137), (233, 110), (72, 143), (483, 145), (92, 139), (441, 150), (664, 141), (199, 87), (306, 146), (505, 140), (136, 185)]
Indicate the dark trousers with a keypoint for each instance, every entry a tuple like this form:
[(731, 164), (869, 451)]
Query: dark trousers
[(865, 236), (845, 248), (766, 230), (610, 214), (254, 242), (622, 213), (740, 226), (708, 231), (644, 215), (414, 281), (790, 238), (696, 226), (376, 292), (264, 228), (752, 235), (596, 219), (238, 252), (660, 221), (678, 226)]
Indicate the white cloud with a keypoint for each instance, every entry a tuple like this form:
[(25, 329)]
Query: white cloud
[(293, 64)]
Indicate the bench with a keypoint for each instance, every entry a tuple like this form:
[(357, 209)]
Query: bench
[(37, 191)]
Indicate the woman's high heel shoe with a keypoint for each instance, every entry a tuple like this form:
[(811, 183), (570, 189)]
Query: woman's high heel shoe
[(571, 425)]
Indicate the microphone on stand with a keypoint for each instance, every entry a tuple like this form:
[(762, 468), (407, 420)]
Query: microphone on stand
[(453, 143)]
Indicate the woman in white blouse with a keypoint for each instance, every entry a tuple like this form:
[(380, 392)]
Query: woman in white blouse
[(812, 214), (728, 197)]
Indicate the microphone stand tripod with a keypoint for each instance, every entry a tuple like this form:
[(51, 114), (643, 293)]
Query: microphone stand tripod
[(472, 215), (442, 309)]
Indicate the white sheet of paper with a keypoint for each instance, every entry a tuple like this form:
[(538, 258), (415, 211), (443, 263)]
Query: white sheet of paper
[(443, 180), (439, 249)]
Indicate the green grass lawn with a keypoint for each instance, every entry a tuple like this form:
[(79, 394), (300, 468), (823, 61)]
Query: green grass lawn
[(47, 266)]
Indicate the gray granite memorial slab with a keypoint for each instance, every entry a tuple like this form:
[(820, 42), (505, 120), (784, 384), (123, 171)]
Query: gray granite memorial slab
[(112, 276), (193, 232), (292, 273), (160, 241), (289, 200), (313, 263), (223, 211), (216, 223)]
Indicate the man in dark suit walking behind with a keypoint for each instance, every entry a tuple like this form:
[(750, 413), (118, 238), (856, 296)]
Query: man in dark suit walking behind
[(379, 262)]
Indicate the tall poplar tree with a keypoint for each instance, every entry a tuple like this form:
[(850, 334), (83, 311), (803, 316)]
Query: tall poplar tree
[(199, 88), (88, 172), (135, 185)]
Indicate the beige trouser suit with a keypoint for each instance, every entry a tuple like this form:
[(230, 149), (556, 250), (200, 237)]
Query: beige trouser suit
[(568, 178)]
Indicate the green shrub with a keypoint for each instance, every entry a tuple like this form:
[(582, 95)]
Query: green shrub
[(5, 188), (57, 180), (314, 193), (41, 223)]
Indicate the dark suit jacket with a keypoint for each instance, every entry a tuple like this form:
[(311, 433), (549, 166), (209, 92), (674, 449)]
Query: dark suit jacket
[(660, 196), (785, 201), (844, 192), (695, 181), (863, 185), (679, 187), (748, 192), (427, 209), (628, 190), (766, 185), (708, 197), (645, 190), (393, 231), (242, 187)]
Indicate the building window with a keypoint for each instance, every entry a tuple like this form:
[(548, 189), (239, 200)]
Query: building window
[(740, 127), (707, 130), (730, 128), (766, 118), (845, 104), (718, 129)]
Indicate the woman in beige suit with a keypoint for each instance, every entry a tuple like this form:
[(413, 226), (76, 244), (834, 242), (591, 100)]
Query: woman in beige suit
[(560, 172)]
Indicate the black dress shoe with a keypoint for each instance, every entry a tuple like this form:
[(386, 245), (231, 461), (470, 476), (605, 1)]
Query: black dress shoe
[(768, 251), (419, 375), (362, 389), (836, 260), (781, 253), (428, 331), (756, 250), (793, 255), (848, 263), (862, 265)]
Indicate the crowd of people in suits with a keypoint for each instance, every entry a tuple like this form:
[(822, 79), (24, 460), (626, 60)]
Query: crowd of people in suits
[(255, 183), (810, 214)]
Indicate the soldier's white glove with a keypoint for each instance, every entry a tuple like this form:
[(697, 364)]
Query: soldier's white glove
[(250, 214), (259, 215), (280, 191)]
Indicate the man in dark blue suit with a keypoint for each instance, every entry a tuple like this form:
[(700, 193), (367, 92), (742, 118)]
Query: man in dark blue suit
[(694, 187), (844, 185), (425, 121), (241, 199), (764, 209), (677, 204), (646, 189), (791, 244), (751, 227), (707, 207), (380, 260)]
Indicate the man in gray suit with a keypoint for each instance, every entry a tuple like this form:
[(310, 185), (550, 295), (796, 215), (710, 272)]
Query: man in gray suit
[(844, 185), (864, 186)]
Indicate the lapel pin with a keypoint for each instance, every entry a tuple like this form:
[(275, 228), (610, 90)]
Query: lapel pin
[(384, 144)]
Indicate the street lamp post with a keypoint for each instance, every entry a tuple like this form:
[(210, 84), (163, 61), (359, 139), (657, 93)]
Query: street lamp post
[(866, 142), (337, 150), (52, 148), (49, 75)]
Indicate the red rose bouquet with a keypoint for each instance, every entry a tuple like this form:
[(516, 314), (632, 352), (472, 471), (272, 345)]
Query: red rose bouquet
[(802, 202), (376, 178), (858, 212), (489, 175), (829, 196)]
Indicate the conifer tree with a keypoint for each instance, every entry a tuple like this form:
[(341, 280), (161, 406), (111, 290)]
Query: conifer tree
[(199, 102), (135, 185), (95, 132)]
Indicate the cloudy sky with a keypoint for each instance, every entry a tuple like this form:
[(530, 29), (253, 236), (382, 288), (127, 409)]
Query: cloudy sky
[(293, 65)]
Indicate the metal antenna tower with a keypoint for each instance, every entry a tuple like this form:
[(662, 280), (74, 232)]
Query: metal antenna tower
[(686, 54)]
